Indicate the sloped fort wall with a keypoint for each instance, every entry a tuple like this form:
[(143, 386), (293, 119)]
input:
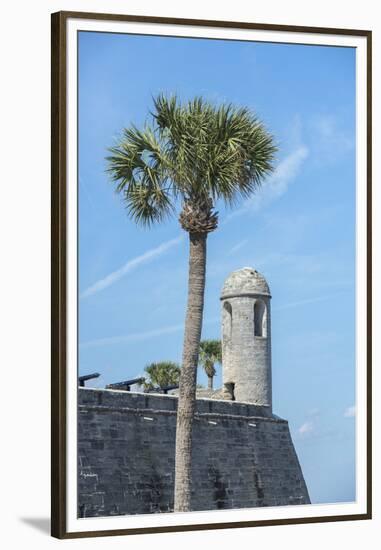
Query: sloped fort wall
[(243, 456)]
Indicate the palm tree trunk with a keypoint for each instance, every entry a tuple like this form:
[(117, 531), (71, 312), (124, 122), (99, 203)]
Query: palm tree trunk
[(187, 389), (210, 382)]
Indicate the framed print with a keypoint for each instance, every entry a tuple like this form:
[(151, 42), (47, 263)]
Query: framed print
[(211, 274)]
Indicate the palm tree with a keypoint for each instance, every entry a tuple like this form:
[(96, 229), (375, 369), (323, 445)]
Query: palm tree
[(191, 155), (210, 353), (162, 374)]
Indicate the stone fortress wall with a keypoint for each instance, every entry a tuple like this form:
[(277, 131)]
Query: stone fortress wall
[(243, 456)]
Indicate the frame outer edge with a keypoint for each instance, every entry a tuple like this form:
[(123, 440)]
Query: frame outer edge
[(369, 274), (211, 23), (58, 276)]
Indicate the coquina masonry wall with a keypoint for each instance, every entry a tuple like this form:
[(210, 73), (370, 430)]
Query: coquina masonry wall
[(242, 455)]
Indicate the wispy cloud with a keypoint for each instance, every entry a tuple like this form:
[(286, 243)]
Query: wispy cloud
[(305, 263), (277, 184), (139, 336), (129, 266), (285, 173), (133, 337), (307, 301), (330, 140), (350, 412), (306, 428), (309, 425), (328, 128), (238, 246)]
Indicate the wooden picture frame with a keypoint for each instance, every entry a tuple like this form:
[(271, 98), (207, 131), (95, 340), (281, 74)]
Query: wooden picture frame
[(60, 267)]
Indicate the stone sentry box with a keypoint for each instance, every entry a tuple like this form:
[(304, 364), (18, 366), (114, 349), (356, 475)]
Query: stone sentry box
[(243, 454), (246, 337)]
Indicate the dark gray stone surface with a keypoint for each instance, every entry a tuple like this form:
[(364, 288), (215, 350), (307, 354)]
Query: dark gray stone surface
[(243, 456)]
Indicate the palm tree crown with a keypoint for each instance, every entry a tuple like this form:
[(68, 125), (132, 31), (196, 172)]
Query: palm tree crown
[(195, 152), (162, 374), (210, 354)]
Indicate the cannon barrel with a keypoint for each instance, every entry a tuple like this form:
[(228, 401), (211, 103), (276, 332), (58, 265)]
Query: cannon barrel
[(84, 378), (163, 389), (166, 389), (126, 384)]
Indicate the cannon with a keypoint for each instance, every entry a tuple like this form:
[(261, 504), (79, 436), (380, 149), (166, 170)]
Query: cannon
[(83, 379), (125, 385), (164, 389)]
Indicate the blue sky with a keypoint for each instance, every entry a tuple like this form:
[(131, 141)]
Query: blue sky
[(298, 230)]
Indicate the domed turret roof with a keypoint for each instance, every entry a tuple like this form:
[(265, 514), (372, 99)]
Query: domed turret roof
[(245, 281)]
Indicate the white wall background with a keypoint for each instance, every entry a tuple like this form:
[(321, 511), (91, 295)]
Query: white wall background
[(25, 270)]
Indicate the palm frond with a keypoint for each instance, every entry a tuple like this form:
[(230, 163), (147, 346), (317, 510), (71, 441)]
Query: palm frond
[(193, 151), (162, 374), (141, 168), (210, 353)]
